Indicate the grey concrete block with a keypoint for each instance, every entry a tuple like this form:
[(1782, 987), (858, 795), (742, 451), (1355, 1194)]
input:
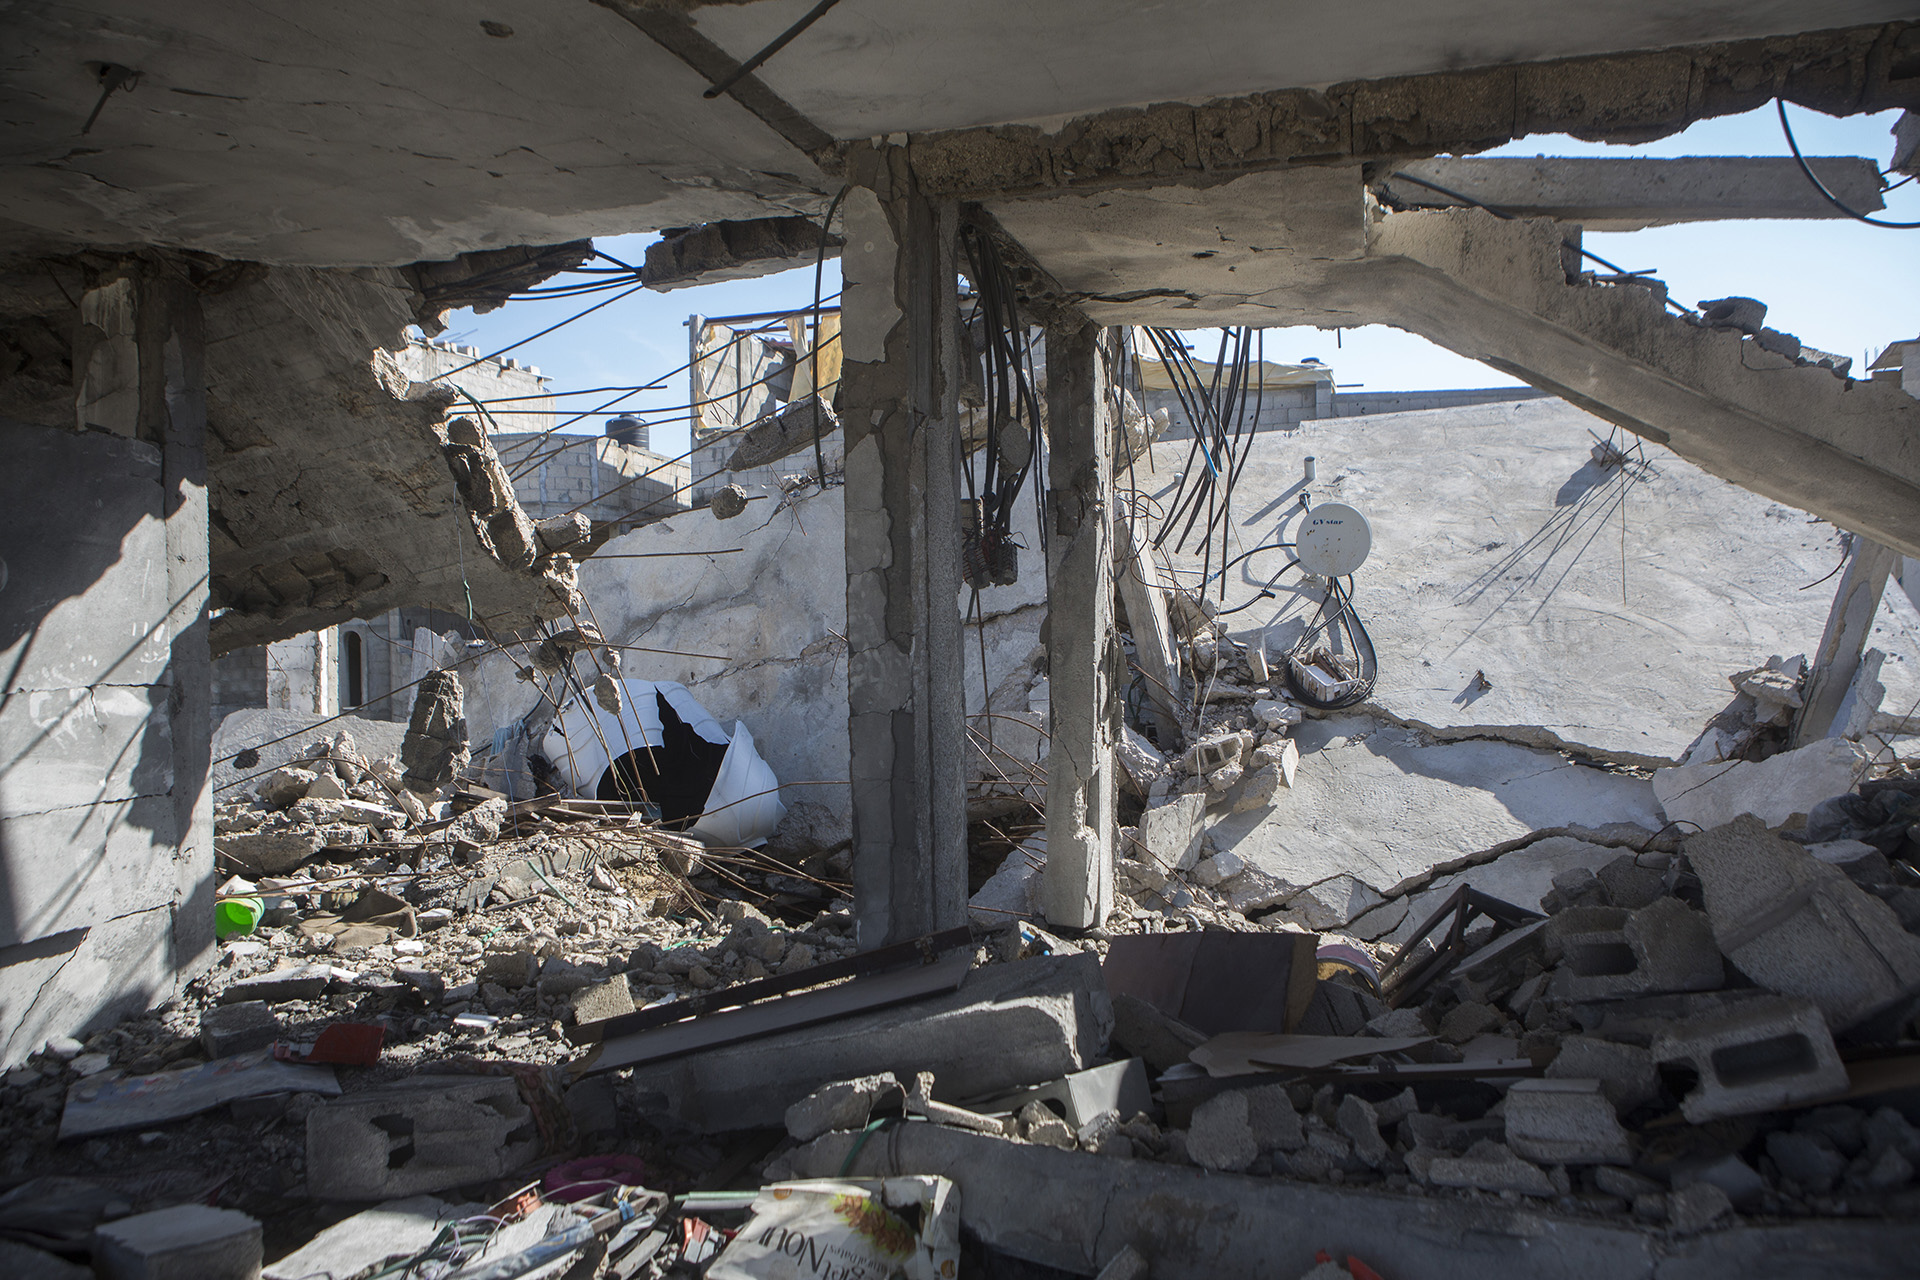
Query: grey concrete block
[(1008, 1026), (1490, 1166), (425, 1134), (1360, 1124), (1696, 1207), (844, 1104), (1610, 953), (1220, 1136), (1626, 1072), (1753, 1055), (603, 1000), (298, 982), (183, 1242), (1564, 1122), (227, 1029), (1799, 926)]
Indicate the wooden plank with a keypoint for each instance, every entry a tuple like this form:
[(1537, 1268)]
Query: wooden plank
[(809, 1008), (879, 960)]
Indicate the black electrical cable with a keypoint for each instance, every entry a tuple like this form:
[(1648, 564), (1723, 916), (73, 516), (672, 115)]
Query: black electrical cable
[(1358, 643), (746, 68), (1780, 104)]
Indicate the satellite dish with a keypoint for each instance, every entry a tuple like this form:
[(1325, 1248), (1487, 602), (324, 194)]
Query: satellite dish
[(1333, 541)]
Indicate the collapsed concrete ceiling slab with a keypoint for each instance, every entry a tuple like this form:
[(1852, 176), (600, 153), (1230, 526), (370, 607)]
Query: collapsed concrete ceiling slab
[(339, 490), (871, 67), (360, 133)]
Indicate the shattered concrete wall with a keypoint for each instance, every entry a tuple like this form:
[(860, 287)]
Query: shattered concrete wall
[(335, 493)]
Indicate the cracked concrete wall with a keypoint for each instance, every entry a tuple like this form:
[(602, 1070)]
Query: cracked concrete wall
[(106, 854)]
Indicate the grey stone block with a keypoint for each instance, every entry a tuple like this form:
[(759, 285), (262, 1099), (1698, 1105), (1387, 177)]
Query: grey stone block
[(426, 1134), (1221, 1134), (1742, 1183), (300, 982), (183, 1242), (1799, 926), (1564, 1122), (227, 1029), (1804, 1160), (844, 1104), (1360, 1125), (1696, 1207), (1490, 1166), (1008, 1026), (1631, 885), (1754, 1055), (603, 1000), (1625, 1072), (1610, 953)]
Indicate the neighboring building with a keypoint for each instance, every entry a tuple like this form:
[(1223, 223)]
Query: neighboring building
[(1282, 396), (615, 480), (743, 369)]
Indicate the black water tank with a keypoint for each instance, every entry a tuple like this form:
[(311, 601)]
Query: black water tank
[(630, 432)]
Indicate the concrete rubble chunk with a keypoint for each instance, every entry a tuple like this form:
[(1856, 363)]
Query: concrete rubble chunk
[(227, 1029), (1626, 1072), (183, 1242), (1631, 884), (1799, 926), (435, 748), (602, 1000), (1011, 893), (327, 786), (1360, 1124), (1220, 1135), (1254, 889), (1221, 867), (1258, 789), (1606, 953), (284, 785), (298, 982), (1696, 1207), (424, 1134), (1490, 1166), (271, 853), (1170, 834), (1038, 1124), (1008, 1026), (1741, 1181), (1809, 1163), (1710, 795), (844, 1104), (1564, 1122), (1276, 1125), (1753, 1055)]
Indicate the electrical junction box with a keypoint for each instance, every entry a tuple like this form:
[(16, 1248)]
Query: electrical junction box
[(1333, 541)]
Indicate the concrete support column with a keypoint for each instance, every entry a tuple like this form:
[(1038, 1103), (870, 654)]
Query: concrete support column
[(906, 717), (1084, 719), (1855, 601), (174, 411)]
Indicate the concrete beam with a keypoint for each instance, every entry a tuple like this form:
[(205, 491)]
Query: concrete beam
[(906, 715), (1084, 718), (1607, 194), (1625, 97), (1508, 294), (1075, 1212), (1855, 601)]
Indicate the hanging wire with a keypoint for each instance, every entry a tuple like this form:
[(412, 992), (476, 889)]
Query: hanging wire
[(1780, 104)]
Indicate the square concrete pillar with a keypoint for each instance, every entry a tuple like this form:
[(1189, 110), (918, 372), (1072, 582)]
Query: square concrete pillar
[(906, 717), (1083, 658), (106, 683)]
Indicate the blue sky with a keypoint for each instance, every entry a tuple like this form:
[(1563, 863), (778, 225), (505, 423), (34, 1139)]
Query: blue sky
[(1838, 285)]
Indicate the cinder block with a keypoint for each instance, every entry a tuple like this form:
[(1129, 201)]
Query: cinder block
[(1606, 953), (1798, 926), (227, 1029), (183, 1242), (426, 1134), (1564, 1122), (1754, 1055)]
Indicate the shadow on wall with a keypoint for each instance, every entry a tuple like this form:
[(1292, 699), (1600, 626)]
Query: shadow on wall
[(90, 808)]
